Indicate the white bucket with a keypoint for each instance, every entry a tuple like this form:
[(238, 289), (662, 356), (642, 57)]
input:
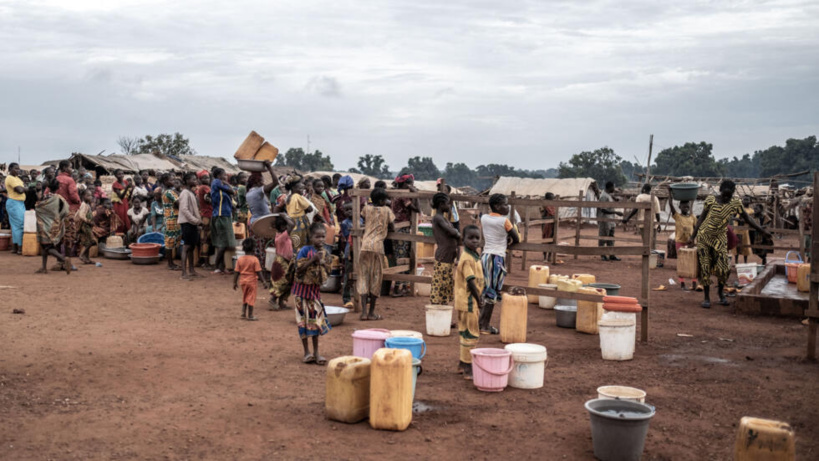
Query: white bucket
[(529, 364), (439, 319), (269, 258), (614, 315), (406, 334), (30, 221), (746, 273), (622, 393), (617, 339), (547, 302)]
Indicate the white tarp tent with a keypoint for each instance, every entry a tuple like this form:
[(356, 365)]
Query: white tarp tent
[(565, 189)]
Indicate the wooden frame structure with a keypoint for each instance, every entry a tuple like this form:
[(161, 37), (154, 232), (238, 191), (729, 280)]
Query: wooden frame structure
[(643, 249), (813, 308)]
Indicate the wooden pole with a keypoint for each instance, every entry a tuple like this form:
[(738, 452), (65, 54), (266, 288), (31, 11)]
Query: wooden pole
[(508, 251), (579, 222), (413, 256), (648, 165), (356, 253), (526, 236), (648, 218), (813, 307), (554, 234)]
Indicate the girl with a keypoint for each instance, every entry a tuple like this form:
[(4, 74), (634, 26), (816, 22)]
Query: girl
[(312, 267), (84, 218), (297, 209), (683, 228), (548, 229), (99, 193), (469, 284), (121, 194), (345, 184), (323, 207), (170, 208), (140, 191), (447, 238), (157, 219), (402, 208), (51, 213), (250, 271), (497, 230), (279, 280)]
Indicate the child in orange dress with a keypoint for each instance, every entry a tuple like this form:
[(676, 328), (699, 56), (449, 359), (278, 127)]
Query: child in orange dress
[(248, 271)]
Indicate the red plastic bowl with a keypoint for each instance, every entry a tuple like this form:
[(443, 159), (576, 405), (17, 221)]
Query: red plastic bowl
[(144, 250)]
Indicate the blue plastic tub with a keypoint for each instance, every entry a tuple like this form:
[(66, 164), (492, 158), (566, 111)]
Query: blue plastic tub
[(152, 237), (416, 346)]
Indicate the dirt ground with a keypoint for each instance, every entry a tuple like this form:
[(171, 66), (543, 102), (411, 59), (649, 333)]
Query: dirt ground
[(129, 362)]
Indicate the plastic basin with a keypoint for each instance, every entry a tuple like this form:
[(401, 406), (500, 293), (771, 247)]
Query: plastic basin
[(685, 191), (612, 289)]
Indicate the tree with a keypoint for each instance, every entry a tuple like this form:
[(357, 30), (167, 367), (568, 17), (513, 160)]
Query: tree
[(797, 155), (423, 168), (373, 165), (602, 165), (459, 175), (295, 157), (487, 174), (690, 159), (630, 170), (164, 144), (745, 167)]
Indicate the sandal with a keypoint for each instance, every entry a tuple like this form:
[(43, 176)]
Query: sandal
[(321, 360), (375, 317), (309, 358), (490, 331)]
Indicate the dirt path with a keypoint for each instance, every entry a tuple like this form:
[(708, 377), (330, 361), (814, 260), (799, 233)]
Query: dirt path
[(129, 362)]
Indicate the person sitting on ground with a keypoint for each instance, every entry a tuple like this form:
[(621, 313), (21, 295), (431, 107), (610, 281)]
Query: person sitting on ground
[(312, 270), (605, 227), (447, 239), (683, 229), (498, 231), (51, 213), (138, 215), (106, 220), (84, 219), (280, 272), (645, 197), (469, 285), (189, 222), (378, 221), (248, 273)]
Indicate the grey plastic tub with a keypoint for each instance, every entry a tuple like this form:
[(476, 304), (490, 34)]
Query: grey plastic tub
[(685, 191), (612, 289), (619, 428), (566, 316)]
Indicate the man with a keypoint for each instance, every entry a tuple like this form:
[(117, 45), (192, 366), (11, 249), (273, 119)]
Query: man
[(645, 197), (605, 228)]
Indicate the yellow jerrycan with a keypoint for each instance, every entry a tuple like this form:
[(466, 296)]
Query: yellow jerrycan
[(585, 278), (588, 312), (391, 389), (537, 275), (514, 309), (764, 440), (348, 389), (803, 278)]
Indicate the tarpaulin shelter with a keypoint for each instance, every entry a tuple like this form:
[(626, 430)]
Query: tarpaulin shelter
[(563, 188)]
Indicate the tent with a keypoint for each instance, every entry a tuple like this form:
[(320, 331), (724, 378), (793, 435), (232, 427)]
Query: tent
[(565, 188), (130, 164)]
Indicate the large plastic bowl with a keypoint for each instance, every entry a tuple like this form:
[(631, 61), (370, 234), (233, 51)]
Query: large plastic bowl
[(685, 191), (335, 315)]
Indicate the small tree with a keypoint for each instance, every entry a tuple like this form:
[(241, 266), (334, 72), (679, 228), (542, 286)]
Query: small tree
[(298, 159), (128, 145), (372, 165), (459, 175), (423, 168), (164, 144), (602, 165)]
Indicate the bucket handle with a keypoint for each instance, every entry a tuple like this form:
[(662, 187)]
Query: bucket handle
[(504, 373), (420, 370), (788, 256), (424, 351)]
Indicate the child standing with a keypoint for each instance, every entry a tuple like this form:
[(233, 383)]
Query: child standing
[(497, 231), (84, 219), (189, 222), (312, 270), (248, 271), (378, 221), (279, 272), (683, 230), (447, 238), (469, 284)]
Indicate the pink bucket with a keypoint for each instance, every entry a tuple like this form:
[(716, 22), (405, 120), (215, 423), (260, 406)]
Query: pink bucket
[(491, 368), (366, 342)]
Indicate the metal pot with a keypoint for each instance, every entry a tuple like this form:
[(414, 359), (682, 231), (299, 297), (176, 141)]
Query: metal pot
[(331, 285), (566, 316), (116, 253), (335, 315)]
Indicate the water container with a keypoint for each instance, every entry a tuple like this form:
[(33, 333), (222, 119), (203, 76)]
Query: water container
[(763, 439), (687, 263), (366, 342), (30, 222), (530, 363), (569, 286), (617, 337), (348, 389), (746, 273), (547, 302), (537, 275), (406, 334), (113, 242), (423, 289), (417, 347), (585, 278), (803, 278), (439, 319), (792, 265), (491, 368), (513, 318), (619, 428), (391, 389), (588, 312), (416, 372), (553, 279), (31, 247), (269, 258), (622, 393)]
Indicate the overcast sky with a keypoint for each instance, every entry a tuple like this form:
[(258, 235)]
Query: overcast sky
[(527, 83)]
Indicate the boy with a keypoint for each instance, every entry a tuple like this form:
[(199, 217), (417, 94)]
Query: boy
[(378, 220), (189, 222), (497, 232), (683, 229), (469, 284), (447, 238), (250, 270)]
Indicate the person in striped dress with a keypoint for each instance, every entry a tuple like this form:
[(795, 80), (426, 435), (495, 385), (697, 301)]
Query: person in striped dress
[(711, 233)]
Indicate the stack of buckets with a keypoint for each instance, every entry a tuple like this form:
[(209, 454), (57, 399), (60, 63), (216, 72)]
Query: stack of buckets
[(31, 247), (618, 327), (367, 342)]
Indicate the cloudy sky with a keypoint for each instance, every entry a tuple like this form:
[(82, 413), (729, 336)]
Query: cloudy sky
[(527, 83)]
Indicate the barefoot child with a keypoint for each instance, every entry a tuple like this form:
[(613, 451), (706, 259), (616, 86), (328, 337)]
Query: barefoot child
[(51, 213), (378, 220), (248, 271), (683, 229), (469, 284), (447, 239), (312, 270), (189, 221), (84, 219), (497, 230), (279, 277)]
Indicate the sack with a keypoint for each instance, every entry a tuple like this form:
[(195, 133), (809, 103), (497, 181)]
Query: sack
[(733, 241)]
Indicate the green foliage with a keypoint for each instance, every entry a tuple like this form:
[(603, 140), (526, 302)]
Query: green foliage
[(164, 144), (295, 157), (459, 175), (690, 159), (423, 168), (630, 170), (487, 173), (797, 155), (602, 165), (745, 167), (372, 165)]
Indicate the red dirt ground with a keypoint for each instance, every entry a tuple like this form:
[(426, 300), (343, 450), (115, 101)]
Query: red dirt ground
[(129, 362)]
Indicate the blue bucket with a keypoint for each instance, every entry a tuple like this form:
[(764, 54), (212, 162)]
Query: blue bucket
[(416, 346)]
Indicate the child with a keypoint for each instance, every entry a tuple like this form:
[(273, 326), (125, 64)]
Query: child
[(51, 213), (548, 229), (347, 253), (447, 238), (279, 273), (250, 270), (323, 207), (105, 220), (469, 284), (139, 217), (683, 229), (84, 219), (497, 229), (189, 222), (99, 194), (312, 269), (378, 220)]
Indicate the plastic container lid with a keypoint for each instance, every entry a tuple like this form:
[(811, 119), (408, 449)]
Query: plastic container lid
[(619, 299), (551, 286), (565, 308), (372, 333), (526, 352), (617, 307), (406, 334), (616, 323), (438, 307)]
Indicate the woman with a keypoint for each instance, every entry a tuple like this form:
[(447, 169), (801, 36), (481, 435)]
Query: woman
[(711, 233), (259, 206), (173, 232), (402, 208), (16, 207), (298, 208), (51, 214), (120, 198)]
